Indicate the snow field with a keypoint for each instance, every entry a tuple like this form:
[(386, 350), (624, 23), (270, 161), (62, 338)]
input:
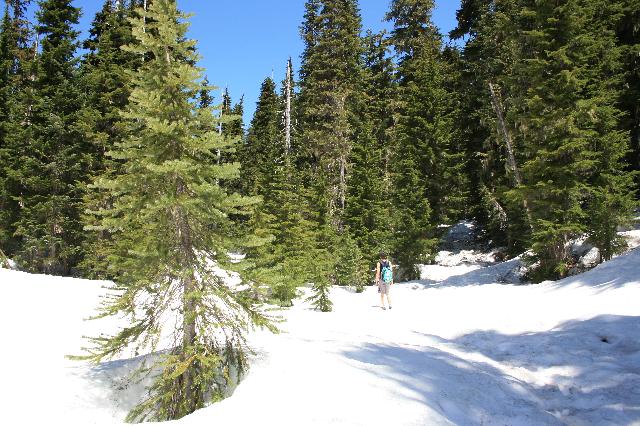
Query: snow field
[(450, 352)]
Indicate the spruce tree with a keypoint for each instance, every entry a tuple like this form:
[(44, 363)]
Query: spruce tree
[(205, 100), (628, 31), (296, 255), (230, 125), (320, 299), (6, 68), (53, 170), (263, 148), (16, 59), (169, 219), (368, 208), (106, 83), (423, 161), (351, 265), (236, 127), (332, 121), (487, 58), (331, 75), (574, 177)]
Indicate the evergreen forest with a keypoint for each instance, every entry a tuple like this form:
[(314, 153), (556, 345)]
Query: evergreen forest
[(117, 162)]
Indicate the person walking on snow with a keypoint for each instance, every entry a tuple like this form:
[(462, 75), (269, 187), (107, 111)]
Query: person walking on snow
[(384, 278)]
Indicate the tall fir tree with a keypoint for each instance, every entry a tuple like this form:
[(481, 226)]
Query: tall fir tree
[(487, 58), (425, 173), (331, 76), (168, 217), (16, 60), (295, 255), (7, 210), (629, 41), (231, 127), (53, 171), (367, 212), (263, 148), (332, 122), (105, 78), (574, 178)]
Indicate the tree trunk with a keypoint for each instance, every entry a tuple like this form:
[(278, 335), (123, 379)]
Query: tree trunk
[(287, 111), (511, 158), (188, 287)]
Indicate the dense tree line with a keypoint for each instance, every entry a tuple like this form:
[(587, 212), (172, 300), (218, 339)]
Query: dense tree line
[(117, 163), (548, 85)]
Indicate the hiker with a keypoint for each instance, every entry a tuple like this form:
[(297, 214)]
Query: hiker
[(384, 279)]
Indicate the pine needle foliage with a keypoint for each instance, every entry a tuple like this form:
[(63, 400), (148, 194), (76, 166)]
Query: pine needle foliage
[(169, 220)]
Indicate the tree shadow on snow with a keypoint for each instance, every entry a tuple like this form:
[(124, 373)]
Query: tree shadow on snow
[(113, 383), (583, 372), (463, 392), (123, 385), (589, 370)]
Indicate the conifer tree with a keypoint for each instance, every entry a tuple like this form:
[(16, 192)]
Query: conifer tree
[(16, 57), (263, 148), (169, 219), (351, 266), (231, 127), (296, 255), (331, 121), (320, 299), (53, 170), (236, 126), (367, 212), (629, 41), (330, 77), (423, 160), (488, 58), (204, 95), (6, 219), (105, 79), (574, 176)]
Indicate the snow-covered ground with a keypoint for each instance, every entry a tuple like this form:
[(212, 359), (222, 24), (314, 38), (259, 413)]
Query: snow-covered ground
[(457, 348)]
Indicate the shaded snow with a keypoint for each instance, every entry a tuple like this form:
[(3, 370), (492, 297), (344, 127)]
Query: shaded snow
[(450, 352)]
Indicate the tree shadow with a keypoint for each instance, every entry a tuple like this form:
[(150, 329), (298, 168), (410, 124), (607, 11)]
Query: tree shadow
[(461, 391), (122, 385), (582, 372), (588, 371), (112, 384)]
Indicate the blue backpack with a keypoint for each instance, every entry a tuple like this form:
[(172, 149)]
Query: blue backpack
[(386, 274)]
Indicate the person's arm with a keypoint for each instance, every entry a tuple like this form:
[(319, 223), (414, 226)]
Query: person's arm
[(377, 272)]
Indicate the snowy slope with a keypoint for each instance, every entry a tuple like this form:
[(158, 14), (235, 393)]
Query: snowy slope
[(450, 352)]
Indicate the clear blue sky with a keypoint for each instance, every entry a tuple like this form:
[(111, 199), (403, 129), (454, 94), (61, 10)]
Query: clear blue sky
[(244, 41)]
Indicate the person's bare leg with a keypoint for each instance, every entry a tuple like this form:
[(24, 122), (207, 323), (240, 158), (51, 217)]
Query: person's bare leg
[(382, 299)]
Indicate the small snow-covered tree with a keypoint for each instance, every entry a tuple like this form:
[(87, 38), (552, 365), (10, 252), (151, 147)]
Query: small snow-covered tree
[(320, 298)]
